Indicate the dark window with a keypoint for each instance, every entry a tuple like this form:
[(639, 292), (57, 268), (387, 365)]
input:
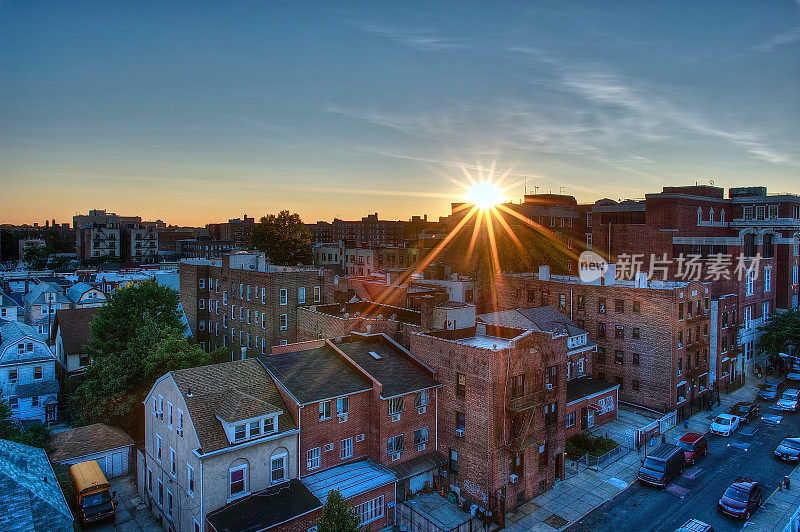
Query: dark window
[(517, 385), (601, 354), (531, 296), (545, 299), (550, 415), (453, 461), (635, 333), (635, 386), (461, 384), (697, 359), (517, 465), (767, 247), (619, 357), (581, 302), (680, 365), (601, 305), (601, 330), (461, 420), (551, 376), (637, 307), (749, 245), (580, 323), (618, 380), (543, 459), (680, 311), (619, 305), (619, 331), (636, 359)]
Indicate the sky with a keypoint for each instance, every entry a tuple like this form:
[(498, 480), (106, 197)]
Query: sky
[(194, 112)]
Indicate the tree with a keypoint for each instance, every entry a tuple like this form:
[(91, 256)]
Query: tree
[(337, 515), (781, 333), (36, 435), (283, 238), (38, 257), (135, 339)]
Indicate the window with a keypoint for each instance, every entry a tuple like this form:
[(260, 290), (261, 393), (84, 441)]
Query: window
[(453, 461), (202, 283), (517, 385), (635, 386), (461, 384), (461, 421), (637, 307), (570, 419), (550, 414), (277, 465), (190, 480), (180, 423), (601, 354), (13, 376), (636, 359), (543, 459), (421, 398), (562, 301), (765, 309), (312, 458), (160, 493), (254, 429), (271, 425), (619, 305), (149, 481), (301, 295), (588, 240), (13, 402), (284, 296), (359, 438), (551, 376), (370, 511), (619, 357), (581, 302), (342, 407), (239, 432), (635, 333), (601, 330), (158, 448), (395, 406), (324, 410), (317, 294), (421, 436), (238, 480), (37, 373), (346, 448), (750, 277), (619, 332), (173, 465), (767, 278), (395, 444), (601, 305), (284, 322)]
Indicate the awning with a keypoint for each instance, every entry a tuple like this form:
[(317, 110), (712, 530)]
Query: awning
[(419, 465), (595, 407)]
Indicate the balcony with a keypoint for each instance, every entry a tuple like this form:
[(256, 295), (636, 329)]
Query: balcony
[(697, 317), (518, 443), (522, 403)]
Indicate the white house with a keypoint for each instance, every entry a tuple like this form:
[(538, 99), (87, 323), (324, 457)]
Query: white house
[(82, 295), (28, 374), (41, 304), (8, 308)]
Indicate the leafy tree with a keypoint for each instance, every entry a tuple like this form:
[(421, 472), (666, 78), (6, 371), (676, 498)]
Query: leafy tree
[(781, 334), (135, 339), (284, 238), (36, 435), (337, 515), (38, 257)]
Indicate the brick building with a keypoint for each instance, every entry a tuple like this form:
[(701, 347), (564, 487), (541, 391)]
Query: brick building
[(652, 337), (127, 238), (203, 248), (236, 230), (242, 301)]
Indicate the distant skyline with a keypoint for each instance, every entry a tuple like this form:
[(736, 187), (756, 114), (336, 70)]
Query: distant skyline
[(197, 112)]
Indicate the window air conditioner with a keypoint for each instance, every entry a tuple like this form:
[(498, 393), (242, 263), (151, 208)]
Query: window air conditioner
[(460, 433), (513, 478), (548, 386), (395, 417)]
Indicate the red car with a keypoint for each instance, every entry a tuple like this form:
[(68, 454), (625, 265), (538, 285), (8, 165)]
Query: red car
[(694, 446), (741, 499)]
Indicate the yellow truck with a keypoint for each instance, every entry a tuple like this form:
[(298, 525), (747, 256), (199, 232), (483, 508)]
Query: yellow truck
[(93, 498)]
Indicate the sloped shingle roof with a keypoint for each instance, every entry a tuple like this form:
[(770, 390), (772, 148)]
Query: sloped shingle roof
[(36, 295), (544, 318), (31, 497), (74, 326), (211, 387), (90, 439)]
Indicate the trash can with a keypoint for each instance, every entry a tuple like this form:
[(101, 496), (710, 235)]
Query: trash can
[(473, 509)]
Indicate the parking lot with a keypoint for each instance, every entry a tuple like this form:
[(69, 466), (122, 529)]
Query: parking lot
[(694, 494)]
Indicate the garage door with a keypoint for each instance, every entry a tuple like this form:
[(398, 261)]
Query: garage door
[(116, 464), (418, 482)]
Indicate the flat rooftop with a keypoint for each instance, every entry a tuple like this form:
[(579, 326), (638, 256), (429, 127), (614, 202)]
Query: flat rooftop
[(485, 341)]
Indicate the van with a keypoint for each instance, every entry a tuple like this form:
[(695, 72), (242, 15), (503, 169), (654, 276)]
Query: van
[(93, 499), (662, 465), (694, 446)]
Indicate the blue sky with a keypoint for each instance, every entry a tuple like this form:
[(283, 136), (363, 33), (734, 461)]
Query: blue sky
[(199, 111)]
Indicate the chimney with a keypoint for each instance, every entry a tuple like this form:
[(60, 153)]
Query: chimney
[(426, 304), (189, 392)]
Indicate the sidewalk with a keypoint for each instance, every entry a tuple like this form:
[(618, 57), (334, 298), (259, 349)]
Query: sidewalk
[(774, 514), (574, 497)]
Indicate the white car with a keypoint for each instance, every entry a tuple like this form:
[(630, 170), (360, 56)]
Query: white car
[(724, 424), (789, 400)]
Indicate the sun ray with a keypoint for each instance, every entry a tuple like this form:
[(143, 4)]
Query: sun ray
[(475, 230), (493, 244), (432, 255), (512, 235)]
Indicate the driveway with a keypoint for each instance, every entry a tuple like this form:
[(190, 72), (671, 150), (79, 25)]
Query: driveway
[(132, 514)]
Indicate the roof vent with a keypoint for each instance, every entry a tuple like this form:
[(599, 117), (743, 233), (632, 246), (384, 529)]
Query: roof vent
[(189, 392), (375, 355)]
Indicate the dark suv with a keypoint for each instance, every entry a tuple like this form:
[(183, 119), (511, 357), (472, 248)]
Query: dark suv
[(741, 499), (662, 465), (771, 390), (746, 412)]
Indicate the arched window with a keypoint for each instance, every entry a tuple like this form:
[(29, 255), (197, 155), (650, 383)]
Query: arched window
[(767, 247), (699, 216), (711, 215), (749, 245), (722, 216)]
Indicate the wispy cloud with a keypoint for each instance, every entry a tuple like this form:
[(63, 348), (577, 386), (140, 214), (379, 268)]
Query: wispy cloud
[(782, 39), (420, 39)]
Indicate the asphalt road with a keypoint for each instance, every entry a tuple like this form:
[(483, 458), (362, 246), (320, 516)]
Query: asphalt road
[(695, 493)]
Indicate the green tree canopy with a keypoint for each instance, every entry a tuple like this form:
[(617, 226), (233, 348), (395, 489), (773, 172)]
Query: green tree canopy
[(36, 435), (337, 515), (284, 238), (781, 334)]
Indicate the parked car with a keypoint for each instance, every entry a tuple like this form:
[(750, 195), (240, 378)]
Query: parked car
[(93, 497), (788, 449), (662, 465), (724, 424), (789, 400), (694, 446), (695, 525), (741, 499), (746, 412), (794, 376), (771, 390)]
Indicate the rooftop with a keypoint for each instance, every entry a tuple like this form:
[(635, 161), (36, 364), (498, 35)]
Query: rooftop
[(86, 440), (74, 327), (582, 387), (351, 479), (537, 318), (370, 310), (311, 375)]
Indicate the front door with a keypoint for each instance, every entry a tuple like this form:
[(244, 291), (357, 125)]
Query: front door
[(584, 418), (50, 413), (590, 421)]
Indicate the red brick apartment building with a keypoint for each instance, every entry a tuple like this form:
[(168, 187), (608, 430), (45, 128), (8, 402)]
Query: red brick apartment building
[(370, 231), (237, 230), (503, 406), (366, 411), (242, 301), (653, 338), (700, 220)]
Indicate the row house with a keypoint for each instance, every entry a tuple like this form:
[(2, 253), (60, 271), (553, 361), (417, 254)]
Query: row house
[(70, 338), (84, 295), (9, 310), (243, 302), (653, 338), (762, 229), (214, 435), (28, 374), (366, 413), (41, 305)]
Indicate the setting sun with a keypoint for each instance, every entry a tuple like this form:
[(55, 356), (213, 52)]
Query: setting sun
[(484, 195)]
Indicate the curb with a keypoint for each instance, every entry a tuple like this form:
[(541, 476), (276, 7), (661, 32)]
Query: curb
[(776, 490)]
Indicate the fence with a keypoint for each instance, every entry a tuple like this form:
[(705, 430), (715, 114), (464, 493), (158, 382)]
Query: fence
[(654, 428), (406, 516), (599, 462), (573, 467), (794, 522)]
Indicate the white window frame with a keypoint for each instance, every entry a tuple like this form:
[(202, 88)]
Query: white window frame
[(173, 462), (313, 458), (283, 457), (284, 322), (284, 297), (244, 491), (190, 480), (301, 295), (317, 294), (346, 448), (159, 448), (370, 511)]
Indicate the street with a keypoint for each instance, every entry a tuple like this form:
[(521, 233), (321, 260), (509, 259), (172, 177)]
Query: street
[(694, 494)]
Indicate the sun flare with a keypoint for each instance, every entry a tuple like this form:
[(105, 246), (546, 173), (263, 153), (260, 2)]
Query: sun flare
[(484, 195)]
